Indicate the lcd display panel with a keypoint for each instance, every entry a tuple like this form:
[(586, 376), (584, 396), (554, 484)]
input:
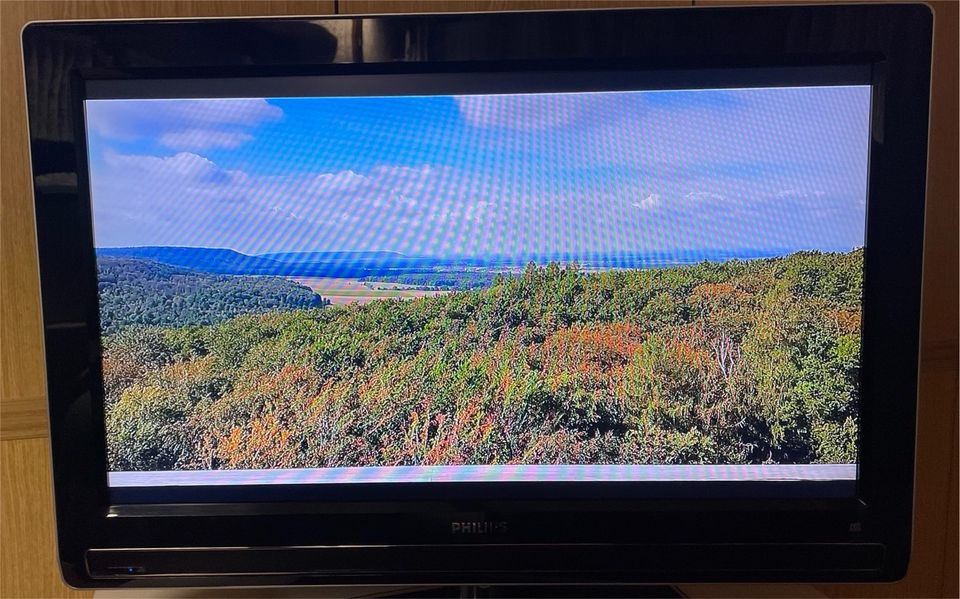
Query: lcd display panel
[(659, 285)]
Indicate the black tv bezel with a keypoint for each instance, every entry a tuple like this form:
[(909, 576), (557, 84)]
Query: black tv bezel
[(890, 42), (446, 79)]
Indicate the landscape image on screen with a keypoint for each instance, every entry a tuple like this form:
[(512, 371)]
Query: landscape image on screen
[(617, 278)]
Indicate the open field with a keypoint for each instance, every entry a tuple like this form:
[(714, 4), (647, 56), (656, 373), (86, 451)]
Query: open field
[(353, 291)]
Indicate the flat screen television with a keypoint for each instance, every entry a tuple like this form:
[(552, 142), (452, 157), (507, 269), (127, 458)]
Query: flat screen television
[(575, 297)]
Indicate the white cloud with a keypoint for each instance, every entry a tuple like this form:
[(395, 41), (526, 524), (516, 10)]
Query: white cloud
[(191, 172), (648, 203), (132, 119), (182, 125), (406, 180), (766, 133), (203, 139), (340, 181), (382, 186), (187, 199), (475, 211), (704, 196), (525, 112), (232, 111), (792, 194)]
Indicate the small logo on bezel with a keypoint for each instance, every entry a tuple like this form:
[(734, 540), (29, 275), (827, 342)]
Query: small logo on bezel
[(478, 527)]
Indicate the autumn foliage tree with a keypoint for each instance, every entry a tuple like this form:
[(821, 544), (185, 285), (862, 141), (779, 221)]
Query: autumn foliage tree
[(740, 362)]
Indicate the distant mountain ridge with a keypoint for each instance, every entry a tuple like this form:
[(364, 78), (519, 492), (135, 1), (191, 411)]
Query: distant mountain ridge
[(358, 264), (328, 256), (230, 262), (212, 260)]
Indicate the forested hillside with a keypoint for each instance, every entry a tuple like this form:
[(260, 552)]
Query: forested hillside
[(137, 292), (739, 362)]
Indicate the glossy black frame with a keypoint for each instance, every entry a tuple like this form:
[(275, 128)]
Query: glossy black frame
[(570, 532)]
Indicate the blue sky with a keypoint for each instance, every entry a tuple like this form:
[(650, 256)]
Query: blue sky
[(752, 170)]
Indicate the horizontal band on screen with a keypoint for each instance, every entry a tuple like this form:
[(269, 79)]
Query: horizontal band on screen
[(476, 473)]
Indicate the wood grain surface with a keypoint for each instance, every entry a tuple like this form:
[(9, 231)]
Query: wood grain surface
[(27, 549), (28, 553)]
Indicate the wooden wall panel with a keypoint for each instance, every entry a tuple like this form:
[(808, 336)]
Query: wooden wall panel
[(27, 553), (21, 372)]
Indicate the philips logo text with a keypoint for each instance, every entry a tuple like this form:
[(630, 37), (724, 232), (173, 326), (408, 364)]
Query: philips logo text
[(478, 528)]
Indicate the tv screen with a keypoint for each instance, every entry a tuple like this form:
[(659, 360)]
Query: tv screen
[(658, 285), (549, 297)]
